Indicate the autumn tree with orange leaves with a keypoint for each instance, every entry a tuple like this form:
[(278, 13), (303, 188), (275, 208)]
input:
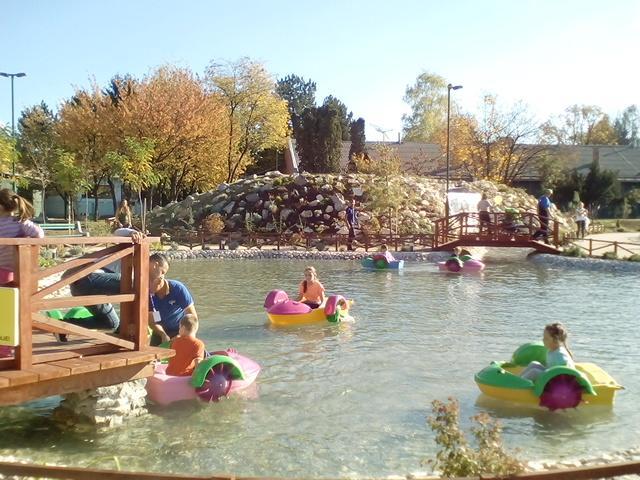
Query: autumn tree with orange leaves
[(257, 118)]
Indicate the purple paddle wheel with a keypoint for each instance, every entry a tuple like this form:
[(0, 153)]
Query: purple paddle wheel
[(561, 392), (216, 385)]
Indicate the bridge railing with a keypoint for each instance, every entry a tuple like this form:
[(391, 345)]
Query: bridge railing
[(33, 299), (500, 227)]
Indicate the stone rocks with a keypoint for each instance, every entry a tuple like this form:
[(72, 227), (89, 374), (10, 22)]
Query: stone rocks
[(103, 406), (283, 201)]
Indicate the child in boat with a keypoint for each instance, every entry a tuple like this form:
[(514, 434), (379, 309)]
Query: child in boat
[(454, 263), (311, 291), (189, 349), (384, 252), (15, 215), (558, 354)]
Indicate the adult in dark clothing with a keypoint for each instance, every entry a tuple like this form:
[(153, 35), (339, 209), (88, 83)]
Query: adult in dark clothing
[(352, 223), (544, 214)]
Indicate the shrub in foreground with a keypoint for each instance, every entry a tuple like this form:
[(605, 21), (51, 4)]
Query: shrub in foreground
[(456, 458)]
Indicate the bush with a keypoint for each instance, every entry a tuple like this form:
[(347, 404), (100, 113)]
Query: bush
[(456, 458), (99, 229), (213, 224), (634, 258), (574, 251), (610, 256)]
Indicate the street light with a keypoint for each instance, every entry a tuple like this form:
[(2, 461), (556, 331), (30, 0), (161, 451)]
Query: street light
[(13, 125), (446, 206)]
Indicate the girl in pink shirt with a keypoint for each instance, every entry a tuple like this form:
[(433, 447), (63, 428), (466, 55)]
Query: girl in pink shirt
[(311, 290), (15, 214)]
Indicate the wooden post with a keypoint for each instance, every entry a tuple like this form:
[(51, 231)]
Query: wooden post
[(27, 286), (140, 306), (127, 312)]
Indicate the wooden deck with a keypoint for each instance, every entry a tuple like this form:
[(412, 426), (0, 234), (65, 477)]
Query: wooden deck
[(78, 364), (41, 366)]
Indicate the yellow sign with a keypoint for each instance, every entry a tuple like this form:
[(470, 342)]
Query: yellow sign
[(9, 313)]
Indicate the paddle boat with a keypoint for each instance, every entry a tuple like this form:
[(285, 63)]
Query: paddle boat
[(556, 388), (219, 375), (380, 262), (283, 311), (461, 264)]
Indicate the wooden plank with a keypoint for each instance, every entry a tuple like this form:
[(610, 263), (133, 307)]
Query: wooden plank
[(140, 307), (77, 262), (19, 377), (66, 302), (26, 286), (109, 360), (73, 383), (82, 272), (80, 473), (133, 358), (77, 365), (127, 319), (4, 382), (47, 372), (52, 325), (73, 240), (76, 353)]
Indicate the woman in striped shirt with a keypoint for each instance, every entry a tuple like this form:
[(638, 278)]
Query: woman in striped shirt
[(15, 215)]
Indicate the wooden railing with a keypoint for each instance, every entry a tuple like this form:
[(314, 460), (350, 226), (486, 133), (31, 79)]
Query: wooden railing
[(502, 226), (593, 246), (79, 473), (133, 297), (303, 240)]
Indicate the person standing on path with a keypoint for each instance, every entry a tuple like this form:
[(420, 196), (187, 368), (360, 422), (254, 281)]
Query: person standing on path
[(352, 223), (544, 214)]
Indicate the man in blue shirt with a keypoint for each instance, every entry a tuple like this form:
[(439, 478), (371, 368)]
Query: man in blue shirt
[(352, 223), (544, 208), (170, 301)]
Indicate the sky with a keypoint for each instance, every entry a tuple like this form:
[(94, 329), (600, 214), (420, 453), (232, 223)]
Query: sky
[(549, 54)]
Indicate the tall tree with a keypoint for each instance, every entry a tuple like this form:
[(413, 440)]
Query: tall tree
[(7, 150), (320, 142), (257, 117), (627, 127), (39, 153), (428, 101), (84, 131), (358, 142), (333, 104), (600, 187), (499, 148), (299, 94), (579, 125), (186, 126)]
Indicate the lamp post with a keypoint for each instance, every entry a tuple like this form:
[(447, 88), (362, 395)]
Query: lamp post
[(446, 193), (13, 125)]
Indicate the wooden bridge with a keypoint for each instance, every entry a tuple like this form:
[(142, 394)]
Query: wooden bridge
[(40, 366), (503, 230)]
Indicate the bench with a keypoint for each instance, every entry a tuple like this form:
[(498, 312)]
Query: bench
[(61, 227)]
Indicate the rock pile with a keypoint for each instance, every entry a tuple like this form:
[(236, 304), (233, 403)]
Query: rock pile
[(278, 203)]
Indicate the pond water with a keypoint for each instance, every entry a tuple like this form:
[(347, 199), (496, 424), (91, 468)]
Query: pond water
[(352, 399)]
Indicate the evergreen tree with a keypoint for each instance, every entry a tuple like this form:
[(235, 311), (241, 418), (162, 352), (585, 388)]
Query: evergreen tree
[(319, 142), (358, 142), (344, 116), (601, 187), (300, 94)]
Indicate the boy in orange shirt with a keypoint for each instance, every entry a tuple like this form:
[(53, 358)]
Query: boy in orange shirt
[(189, 349), (311, 291)]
